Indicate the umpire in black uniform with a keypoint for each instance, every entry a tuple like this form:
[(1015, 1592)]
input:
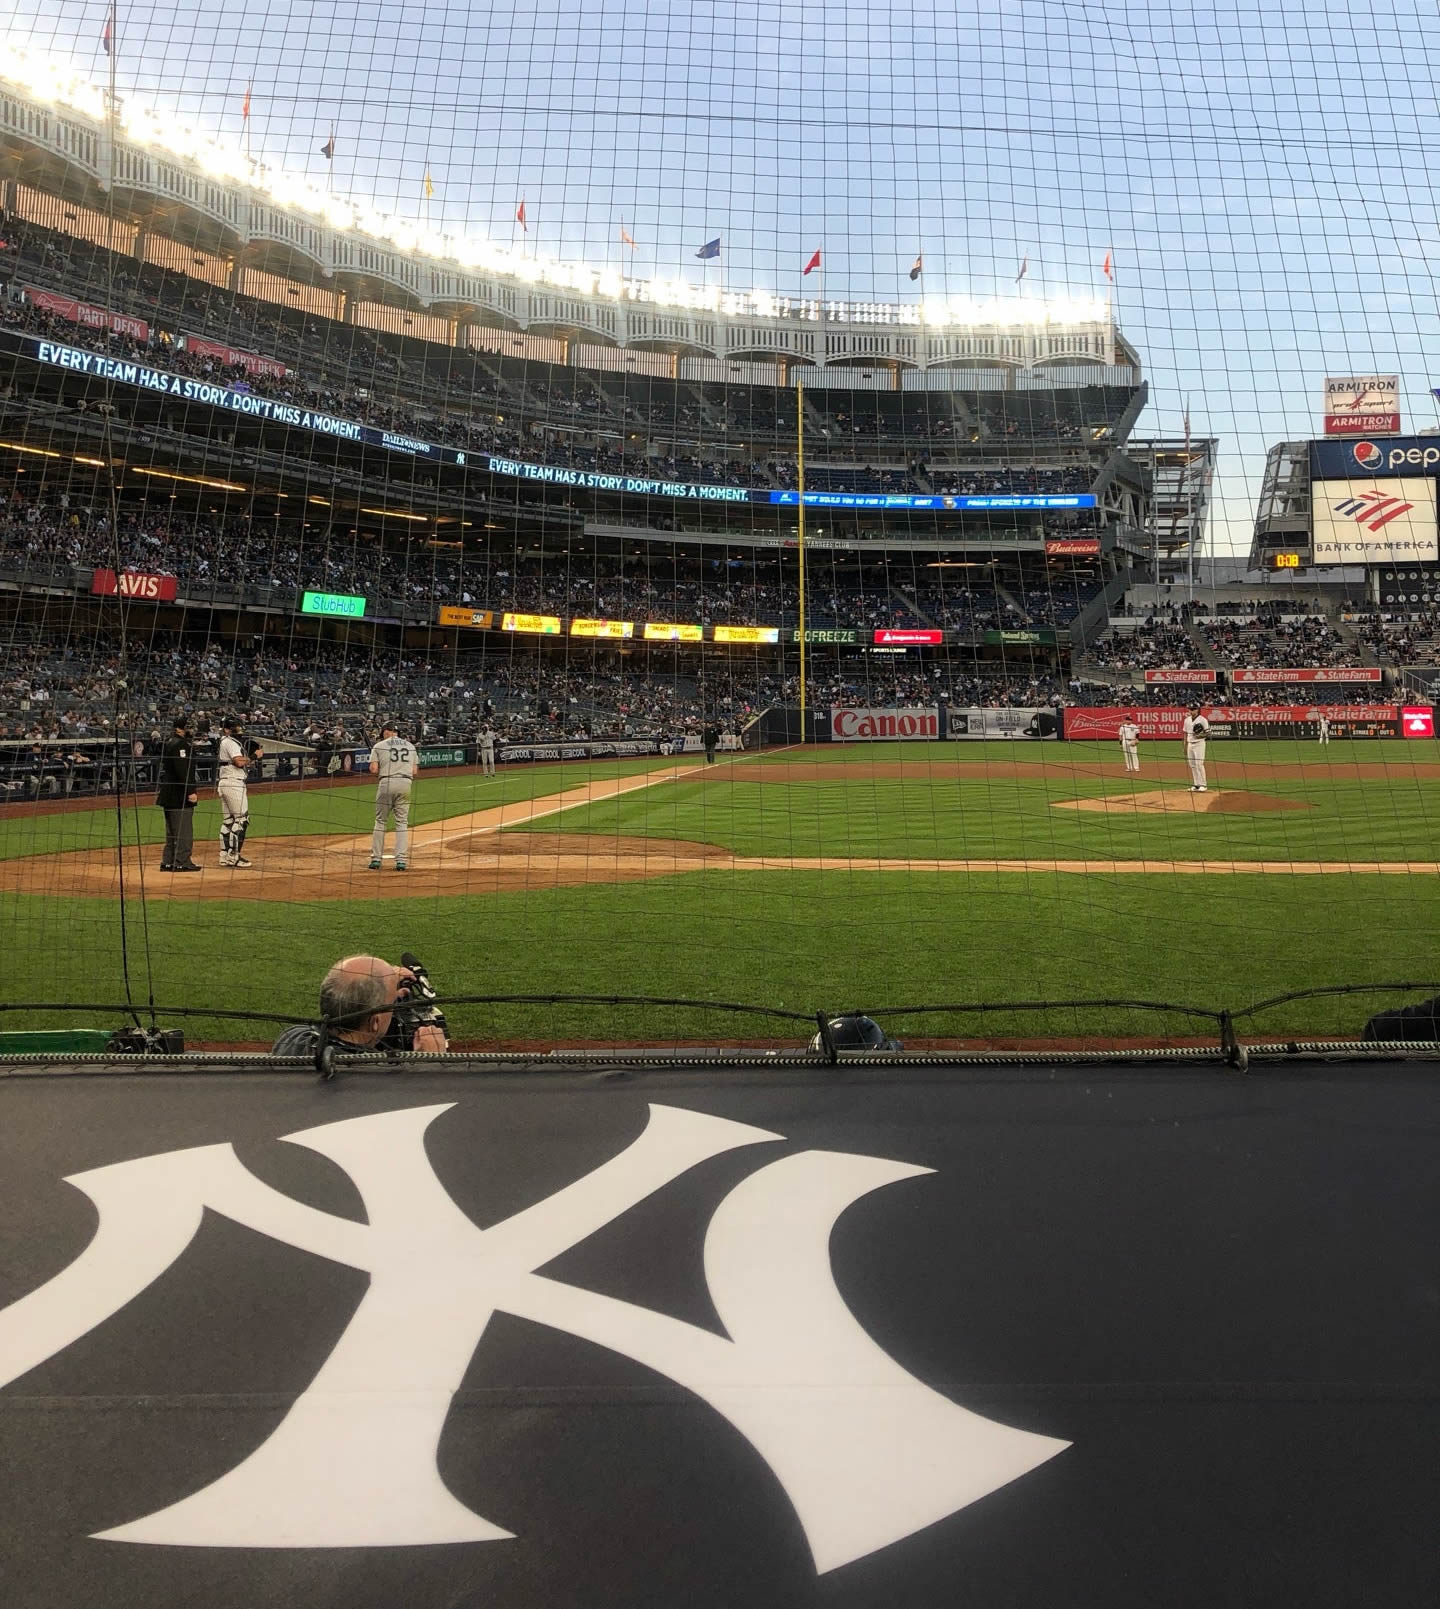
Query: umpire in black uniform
[(176, 796)]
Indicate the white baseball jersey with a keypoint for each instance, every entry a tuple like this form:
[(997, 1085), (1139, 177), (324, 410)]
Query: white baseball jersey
[(1129, 734), (393, 758), (227, 773), (1196, 726)]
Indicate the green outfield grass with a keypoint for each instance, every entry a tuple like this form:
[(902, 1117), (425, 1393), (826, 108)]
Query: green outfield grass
[(808, 939)]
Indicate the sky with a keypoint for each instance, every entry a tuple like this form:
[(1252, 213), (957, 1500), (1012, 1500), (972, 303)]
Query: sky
[(1261, 178)]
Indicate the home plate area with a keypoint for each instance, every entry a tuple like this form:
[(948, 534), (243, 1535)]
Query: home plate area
[(1184, 802)]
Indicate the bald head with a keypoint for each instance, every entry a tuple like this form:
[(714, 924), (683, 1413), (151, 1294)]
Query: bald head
[(360, 992)]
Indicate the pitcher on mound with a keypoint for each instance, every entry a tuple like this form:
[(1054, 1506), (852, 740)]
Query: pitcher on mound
[(1196, 726)]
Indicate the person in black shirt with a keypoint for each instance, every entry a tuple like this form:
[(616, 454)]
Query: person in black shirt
[(176, 796), (1412, 1023), (711, 739)]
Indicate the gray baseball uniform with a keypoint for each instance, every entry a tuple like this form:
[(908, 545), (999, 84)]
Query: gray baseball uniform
[(394, 760), (234, 800)]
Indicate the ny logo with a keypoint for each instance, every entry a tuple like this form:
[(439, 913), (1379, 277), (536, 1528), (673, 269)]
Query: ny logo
[(866, 1453)]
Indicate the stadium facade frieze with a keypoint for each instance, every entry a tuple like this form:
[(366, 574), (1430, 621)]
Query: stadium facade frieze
[(348, 242)]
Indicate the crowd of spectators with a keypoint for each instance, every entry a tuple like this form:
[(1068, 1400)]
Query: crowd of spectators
[(1242, 696), (1400, 640), (49, 538), (60, 685), (1277, 643), (1153, 645)]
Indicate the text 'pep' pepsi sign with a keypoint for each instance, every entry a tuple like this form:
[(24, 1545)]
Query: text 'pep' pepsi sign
[(1375, 455)]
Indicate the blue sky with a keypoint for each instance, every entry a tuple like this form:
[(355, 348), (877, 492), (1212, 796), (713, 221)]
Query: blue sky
[(1261, 178)]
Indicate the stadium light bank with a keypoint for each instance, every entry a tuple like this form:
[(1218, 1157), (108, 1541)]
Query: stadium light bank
[(56, 83)]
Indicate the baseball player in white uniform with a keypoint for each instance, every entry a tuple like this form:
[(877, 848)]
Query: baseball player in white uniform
[(395, 761), (1324, 725), (487, 752), (232, 768), (1130, 743), (1195, 728)]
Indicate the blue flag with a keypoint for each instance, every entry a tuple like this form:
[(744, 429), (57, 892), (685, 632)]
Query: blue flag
[(711, 248)]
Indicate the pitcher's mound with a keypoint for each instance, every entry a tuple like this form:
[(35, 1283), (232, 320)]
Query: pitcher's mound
[(1180, 801)]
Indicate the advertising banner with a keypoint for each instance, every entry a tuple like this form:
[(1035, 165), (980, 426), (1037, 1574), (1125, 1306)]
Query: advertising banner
[(1365, 522), (747, 634), (1044, 636), (347, 604), (232, 357), (1325, 673), (899, 638), (826, 635), (268, 410), (441, 756), (532, 625), (998, 501), (1392, 455), (975, 724), (472, 619), (1153, 721), (95, 318), (1237, 720), (602, 628), (599, 481), (883, 726), (662, 631), (1362, 405), (580, 749), (1080, 546), (1183, 678), (134, 584), (1417, 720)]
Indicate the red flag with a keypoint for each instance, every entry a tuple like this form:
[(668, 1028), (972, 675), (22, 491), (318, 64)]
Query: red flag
[(1105, 267), (625, 239), (813, 263), (520, 217), (108, 37), (245, 109)]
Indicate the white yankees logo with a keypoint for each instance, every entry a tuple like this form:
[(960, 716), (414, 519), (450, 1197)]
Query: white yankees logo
[(866, 1453)]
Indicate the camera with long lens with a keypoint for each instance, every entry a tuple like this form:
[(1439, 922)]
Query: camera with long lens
[(415, 1008)]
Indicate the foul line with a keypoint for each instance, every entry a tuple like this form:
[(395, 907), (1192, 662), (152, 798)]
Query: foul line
[(1181, 868), (498, 817)]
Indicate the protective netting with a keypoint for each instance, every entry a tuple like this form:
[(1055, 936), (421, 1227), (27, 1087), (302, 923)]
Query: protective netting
[(458, 374)]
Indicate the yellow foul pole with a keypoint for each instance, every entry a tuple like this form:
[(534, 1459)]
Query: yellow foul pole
[(800, 467)]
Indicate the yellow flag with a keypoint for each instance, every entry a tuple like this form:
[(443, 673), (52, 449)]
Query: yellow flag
[(429, 185)]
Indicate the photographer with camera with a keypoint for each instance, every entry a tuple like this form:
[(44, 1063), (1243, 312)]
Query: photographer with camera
[(372, 1005)]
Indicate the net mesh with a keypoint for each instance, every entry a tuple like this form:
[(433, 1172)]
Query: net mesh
[(461, 371)]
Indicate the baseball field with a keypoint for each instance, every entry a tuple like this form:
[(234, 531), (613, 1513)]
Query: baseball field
[(869, 876)]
